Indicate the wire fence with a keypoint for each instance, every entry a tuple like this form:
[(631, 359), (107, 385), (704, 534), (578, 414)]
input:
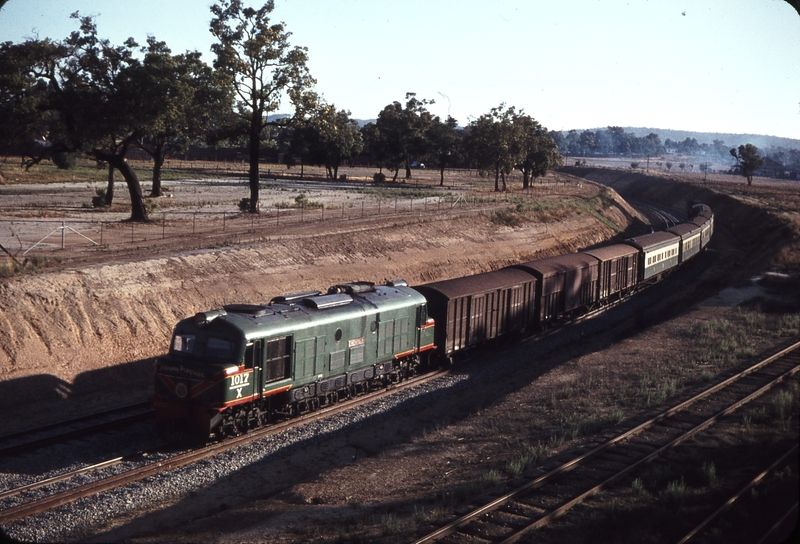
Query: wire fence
[(37, 238), (23, 237)]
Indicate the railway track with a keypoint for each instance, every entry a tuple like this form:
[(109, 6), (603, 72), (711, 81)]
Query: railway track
[(54, 433), (542, 499), (146, 469)]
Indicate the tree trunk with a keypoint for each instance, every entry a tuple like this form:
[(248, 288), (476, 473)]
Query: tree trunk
[(408, 168), (441, 176), (255, 145), (158, 162), (110, 186), (138, 210), (497, 178)]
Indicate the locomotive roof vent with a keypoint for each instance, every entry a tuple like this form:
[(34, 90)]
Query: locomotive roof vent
[(354, 288), (256, 310), (294, 297), (328, 301), (397, 283)]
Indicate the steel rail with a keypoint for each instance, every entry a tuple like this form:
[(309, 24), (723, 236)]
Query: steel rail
[(566, 467), (685, 436), (157, 467), (738, 495), (28, 446)]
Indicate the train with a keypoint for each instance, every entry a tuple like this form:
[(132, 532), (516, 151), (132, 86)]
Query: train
[(239, 367)]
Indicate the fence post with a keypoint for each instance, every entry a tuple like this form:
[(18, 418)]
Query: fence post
[(302, 212), (131, 231), (63, 234), (362, 209), (101, 233), (224, 215), (163, 227), (323, 213)]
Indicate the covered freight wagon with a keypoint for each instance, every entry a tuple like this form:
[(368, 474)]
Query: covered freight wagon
[(471, 310), (618, 270), (566, 284)]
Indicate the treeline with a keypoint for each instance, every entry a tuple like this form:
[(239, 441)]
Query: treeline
[(84, 96)]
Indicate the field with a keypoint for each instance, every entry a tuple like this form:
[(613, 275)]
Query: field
[(81, 324)]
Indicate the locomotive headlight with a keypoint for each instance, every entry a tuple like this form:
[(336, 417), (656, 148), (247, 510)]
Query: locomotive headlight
[(202, 319), (231, 370)]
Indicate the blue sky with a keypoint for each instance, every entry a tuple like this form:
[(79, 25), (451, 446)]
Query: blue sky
[(730, 66)]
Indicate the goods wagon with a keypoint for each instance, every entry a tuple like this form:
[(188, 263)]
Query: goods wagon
[(565, 285), (618, 270), (471, 310)]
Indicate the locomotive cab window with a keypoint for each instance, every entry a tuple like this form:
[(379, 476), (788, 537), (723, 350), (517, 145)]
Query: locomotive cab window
[(218, 348)]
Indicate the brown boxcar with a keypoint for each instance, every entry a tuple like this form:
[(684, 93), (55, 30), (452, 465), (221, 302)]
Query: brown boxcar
[(690, 235), (618, 271), (471, 310), (566, 283)]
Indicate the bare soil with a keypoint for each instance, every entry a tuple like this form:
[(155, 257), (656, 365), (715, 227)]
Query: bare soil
[(75, 339)]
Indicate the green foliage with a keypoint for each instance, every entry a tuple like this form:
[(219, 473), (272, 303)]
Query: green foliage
[(674, 495), (99, 200), (748, 160), (244, 205), (65, 161)]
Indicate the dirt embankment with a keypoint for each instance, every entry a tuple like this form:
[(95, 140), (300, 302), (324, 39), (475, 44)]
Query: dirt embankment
[(76, 338)]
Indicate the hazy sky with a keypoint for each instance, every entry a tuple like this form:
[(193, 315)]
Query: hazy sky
[(702, 65)]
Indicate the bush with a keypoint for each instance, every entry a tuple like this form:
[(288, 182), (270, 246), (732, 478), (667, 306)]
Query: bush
[(99, 201), (244, 204), (379, 177), (65, 161)]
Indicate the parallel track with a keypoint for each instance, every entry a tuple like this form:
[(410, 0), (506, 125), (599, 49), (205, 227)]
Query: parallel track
[(154, 468), (508, 517), (143, 410)]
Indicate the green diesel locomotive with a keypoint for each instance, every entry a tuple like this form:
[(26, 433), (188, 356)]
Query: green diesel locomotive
[(236, 368)]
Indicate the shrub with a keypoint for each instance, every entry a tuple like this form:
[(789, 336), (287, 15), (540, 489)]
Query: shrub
[(65, 161), (379, 177), (99, 200), (244, 204)]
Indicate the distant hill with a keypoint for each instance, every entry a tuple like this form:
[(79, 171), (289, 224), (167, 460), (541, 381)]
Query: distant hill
[(732, 140)]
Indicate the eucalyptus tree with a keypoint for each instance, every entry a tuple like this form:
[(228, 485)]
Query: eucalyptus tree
[(188, 96), (748, 160), (493, 143), (443, 143), (87, 100), (538, 152), (330, 137), (263, 69), (403, 129)]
